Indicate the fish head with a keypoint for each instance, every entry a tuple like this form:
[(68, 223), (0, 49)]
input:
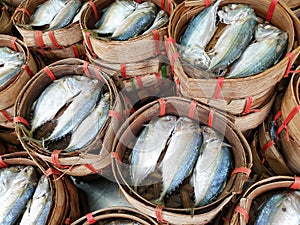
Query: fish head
[(130, 5), (196, 56), (233, 13), (210, 135), (266, 30), (147, 6)]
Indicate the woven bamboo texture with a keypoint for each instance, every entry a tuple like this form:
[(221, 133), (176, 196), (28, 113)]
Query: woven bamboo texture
[(117, 214), (252, 197), (234, 91), (5, 21), (10, 91), (64, 37), (6, 118), (9, 136), (133, 50), (90, 159), (179, 106), (64, 196)]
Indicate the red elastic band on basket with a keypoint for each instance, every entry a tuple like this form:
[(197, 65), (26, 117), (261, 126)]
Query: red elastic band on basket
[(68, 221), (177, 83), (219, 86), (265, 148), (39, 38), (19, 119), (211, 117), (123, 70), (162, 107), (207, 3), (283, 126), (98, 75), (276, 117), (55, 159), (13, 44), (86, 69), (139, 1), (244, 170), (28, 70), (6, 116), (243, 212), (291, 57), (90, 219), (92, 4), (52, 171), (175, 56), (169, 6), (2, 163), (115, 114), (193, 107), (88, 42), (139, 82), (158, 214), (75, 51), (115, 155), (271, 10), (158, 77), (248, 106), (296, 184), (156, 39), (24, 11), (91, 168), (49, 73), (169, 41), (53, 39)]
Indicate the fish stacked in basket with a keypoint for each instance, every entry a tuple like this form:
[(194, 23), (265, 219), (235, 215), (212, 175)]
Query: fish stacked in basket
[(230, 54), (50, 28)]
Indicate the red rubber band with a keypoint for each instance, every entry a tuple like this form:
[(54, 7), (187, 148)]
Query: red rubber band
[(162, 4), (39, 39), (123, 70), (156, 39), (244, 170), (6, 116), (24, 11), (52, 171), (91, 168), (211, 117), (265, 148), (193, 107), (90, 219), (296, 184), (276, 117), (169, 41), (177, 83), (55, 159), (219, 86), (89, 44), (92, 4), (139, 1), (2, 163), (248, 106), (158, 214), (49, 73), (139, 82), (243, 212), (271, 10), (19, 119), (115, 155), (115, 114), (68, 221), (207, 3), (98, 74), (53, 39), (162, 107), (28, 70), (86, 69), (169, 6), (291, 57), (13, 44), (75, 51), (175, 56)]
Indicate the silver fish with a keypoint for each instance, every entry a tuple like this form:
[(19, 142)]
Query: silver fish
[(212, 168), (114, 16), (181, 155), (90, 126), (9, 55), (235, 37), (65, 15), (282, 208), (78, 14), (45, 12), (7, 72), (14, 200), (160, 20), (268, 47), (55, 96), (135, 23), (6, 177), (149, 146), (78, 109), (38, 207)]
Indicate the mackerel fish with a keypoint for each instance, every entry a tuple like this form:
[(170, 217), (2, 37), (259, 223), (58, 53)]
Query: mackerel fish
[(149, 146), (181, 155), (78, 14), (90, 126), (282, 208), (6, 177), (55, 96), (134, 24), (65, 15), (38, 207), (212, 168), (114, 16), (161, 19), (268, 47), (14, 200), (76, 112), (46, 12), (235, 38)]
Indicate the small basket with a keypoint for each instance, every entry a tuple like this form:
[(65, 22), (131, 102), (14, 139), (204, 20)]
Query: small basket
[(200, 113), (77, 163), (5, 21)]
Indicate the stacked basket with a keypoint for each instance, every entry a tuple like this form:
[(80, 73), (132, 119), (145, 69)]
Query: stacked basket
[(5, 21)]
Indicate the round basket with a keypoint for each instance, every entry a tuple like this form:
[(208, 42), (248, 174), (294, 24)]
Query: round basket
[(183, 107), (257, 194), (5, 21), (115, 214), (64, 197), (231, 95), (133, 50), (90, 159), (11, 89)]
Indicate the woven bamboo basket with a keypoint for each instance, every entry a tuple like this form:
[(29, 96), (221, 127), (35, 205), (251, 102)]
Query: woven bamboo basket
[(64, 197), (133, 50), (115, 214), (292, 3), (6, 118), (6, 148), (11, 89), (5, 21), (258, 193), (179, 214), (231, 94), (9, 135), (90, 159), (297, 12)]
